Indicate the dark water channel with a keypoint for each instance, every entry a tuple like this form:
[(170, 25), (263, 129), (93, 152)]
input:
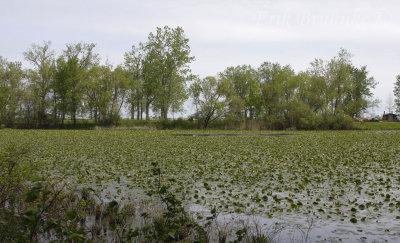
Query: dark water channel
[(233, 134)]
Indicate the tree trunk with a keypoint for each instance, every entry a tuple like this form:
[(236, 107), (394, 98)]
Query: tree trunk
[(62, 118), (55, 122), (95, 115), (147, 110), (206, 122), (74, 118), (141, 111), (164, 113), (132, 111), (138, 109), (40, 113)]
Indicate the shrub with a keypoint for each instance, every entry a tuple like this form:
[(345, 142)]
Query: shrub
[(335, 122), (180, 123)]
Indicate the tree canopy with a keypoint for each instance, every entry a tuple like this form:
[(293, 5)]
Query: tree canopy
[(156, 78)]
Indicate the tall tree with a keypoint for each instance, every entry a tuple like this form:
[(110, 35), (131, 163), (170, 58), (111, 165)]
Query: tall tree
[(359, 92), (209, 99), (138, 92), (244, 89), (68, 86), (41, 76), (93, 89), (106, 92), (166, 67), (78, 59), (120, 87), (99, 92), (349, 87), (11, 91), (316, 94), (396, 93), (277, 86), (339, 80)]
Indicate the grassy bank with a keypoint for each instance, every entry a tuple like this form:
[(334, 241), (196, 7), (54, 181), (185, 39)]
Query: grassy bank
[(377, 125)]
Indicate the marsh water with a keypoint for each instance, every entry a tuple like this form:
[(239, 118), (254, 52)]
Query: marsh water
[(347, 183)]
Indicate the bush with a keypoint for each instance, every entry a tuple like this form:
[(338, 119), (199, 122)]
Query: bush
[(180, 123), (299, 116), (13, 174), (335, 122)]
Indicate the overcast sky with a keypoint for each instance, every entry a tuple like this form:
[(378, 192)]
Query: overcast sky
[(221, 33)]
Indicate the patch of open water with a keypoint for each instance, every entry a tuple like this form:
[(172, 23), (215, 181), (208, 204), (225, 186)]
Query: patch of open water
[(284, 227), (233, 134), (296, 228)]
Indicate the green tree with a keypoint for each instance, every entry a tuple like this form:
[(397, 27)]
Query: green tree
[(339, 80), (139, 93), (120, 87), (278, 85), (166, 68), (396, 92), (106, 92), (349, 87), (359, 92), (41, 76), (67, 86), (316, 87), (99, 89), (244, 93), (73, 73), (11, 91), (209, 99), (93, 92), (299, 115)]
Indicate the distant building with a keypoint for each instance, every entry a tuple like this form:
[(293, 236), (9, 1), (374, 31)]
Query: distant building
[(389, 117)]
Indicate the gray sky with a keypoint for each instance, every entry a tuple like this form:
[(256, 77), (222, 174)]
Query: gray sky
[(221, 33)]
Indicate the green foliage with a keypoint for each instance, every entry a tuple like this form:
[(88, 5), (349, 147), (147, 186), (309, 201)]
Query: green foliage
[(68, 86), (30, 211), (11, 91), (335, 122), (396, 92), (324, 97), (41, 79), (167, 62), (138, 62), (155, 75), (35, 210), (12, 173), (336, 175), (299, 116), (241, 91), (71, 77), (174, 224), (208, 96), (233, 173)]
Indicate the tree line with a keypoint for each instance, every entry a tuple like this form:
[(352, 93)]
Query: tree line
[(155, 77), (327, 91)]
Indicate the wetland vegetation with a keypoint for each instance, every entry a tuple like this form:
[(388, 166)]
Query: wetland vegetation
[(193, 185), (346, 178)]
